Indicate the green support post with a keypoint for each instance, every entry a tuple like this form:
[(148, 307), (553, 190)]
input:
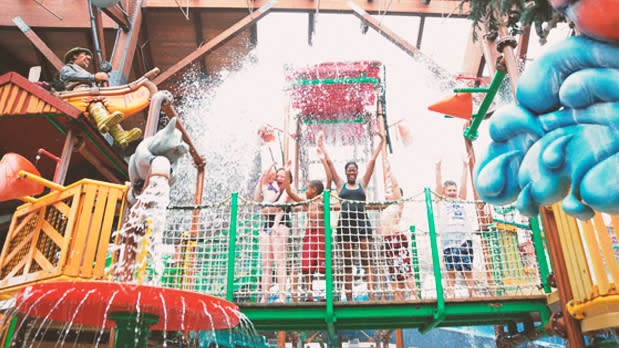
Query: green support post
[(132, 328), (471, 131), (329, 311), (10, 332), (439, 313), (471, 90), (538, 243), (415, 260), (232, 247)]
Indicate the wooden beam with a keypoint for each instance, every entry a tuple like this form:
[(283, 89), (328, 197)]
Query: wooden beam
[(473, 55), (197, 25), (523, 43), (398, 41), (38, 43), (422, 22), (434, 8), (511, 61), (117, 15), (549, 220), (100, 35), (74, 13), (216, 42), (65, 157), (90, 157), (124, 49), (310, 28)]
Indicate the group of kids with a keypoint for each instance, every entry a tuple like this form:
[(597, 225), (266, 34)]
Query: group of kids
[(354, 231)]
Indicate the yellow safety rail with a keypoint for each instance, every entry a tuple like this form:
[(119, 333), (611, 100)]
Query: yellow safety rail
[(593, 270), (62, 235), (515, 272)]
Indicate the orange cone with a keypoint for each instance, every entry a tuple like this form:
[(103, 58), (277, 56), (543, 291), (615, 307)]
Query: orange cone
[(12, 187), (459, 105)]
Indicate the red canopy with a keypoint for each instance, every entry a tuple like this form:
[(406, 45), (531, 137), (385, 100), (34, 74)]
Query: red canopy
[(317, 95)]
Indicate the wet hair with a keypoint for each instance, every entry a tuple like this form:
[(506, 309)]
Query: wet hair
[(449, 183), (284, 170), (351, 163), (317, 184)]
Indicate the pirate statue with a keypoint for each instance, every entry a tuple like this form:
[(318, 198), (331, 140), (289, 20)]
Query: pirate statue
[(74, 76)]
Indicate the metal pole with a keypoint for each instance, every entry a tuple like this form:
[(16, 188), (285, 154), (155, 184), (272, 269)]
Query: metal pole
[(329, 315), (538, 243), (232, 247), (439, 313)]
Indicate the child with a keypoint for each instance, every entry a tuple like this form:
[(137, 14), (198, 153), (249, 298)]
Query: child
[(313, 254)]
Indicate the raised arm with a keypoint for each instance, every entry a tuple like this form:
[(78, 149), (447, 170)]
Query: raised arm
[(439, 178), (370, 168), (336, 178), (325, 165), (464, 178), (265, 178), (395, 186), (293, 195)]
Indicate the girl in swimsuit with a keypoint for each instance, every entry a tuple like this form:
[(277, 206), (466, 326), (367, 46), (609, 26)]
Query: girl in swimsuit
[(353, 226), (274, 236)]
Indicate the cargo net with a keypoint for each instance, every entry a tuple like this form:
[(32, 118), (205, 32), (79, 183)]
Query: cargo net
[(195, 249), (381, 251), (485, 251)]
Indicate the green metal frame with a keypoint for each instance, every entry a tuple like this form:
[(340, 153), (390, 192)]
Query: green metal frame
[(423, 314), (471, 131), (340, 81), (232, 247), (542, 263), (438, 315), (415, 260)]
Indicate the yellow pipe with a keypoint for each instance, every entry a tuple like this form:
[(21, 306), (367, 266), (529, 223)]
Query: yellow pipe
[(28, 199), (579, 310), (599, 270), (607, 247), (39, 180)]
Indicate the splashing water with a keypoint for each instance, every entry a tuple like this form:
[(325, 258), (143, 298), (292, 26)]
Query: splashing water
[(148, 212)]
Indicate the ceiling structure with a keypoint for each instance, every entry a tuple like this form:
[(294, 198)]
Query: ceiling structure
[(164, 33)]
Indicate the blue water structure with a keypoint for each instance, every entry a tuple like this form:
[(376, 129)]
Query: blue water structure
[(561, 141)]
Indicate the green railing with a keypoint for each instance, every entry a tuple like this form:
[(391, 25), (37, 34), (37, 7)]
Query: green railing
[(228, 252)]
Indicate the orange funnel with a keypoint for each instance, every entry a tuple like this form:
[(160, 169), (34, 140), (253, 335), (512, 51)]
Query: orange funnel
[(11, 186), (459, 105)]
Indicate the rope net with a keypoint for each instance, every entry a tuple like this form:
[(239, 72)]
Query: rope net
[(381, 251)]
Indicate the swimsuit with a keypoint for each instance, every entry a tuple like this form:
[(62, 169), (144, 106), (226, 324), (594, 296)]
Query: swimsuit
[(353, 223)]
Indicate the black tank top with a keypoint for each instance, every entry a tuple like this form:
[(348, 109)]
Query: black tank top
[(357, 194)]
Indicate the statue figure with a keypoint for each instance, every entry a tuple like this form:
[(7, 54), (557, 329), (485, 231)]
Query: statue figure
[(73, 76), (167, 142)]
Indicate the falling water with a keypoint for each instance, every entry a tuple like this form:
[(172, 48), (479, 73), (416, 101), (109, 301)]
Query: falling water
[(148, 212)]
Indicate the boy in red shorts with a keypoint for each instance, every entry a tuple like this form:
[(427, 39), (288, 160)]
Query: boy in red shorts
[(313, 251)]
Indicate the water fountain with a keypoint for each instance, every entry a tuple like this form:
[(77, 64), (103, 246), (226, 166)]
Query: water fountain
[(132, 308)]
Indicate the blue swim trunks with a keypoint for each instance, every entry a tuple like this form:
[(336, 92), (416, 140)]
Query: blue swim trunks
[(459, 258)]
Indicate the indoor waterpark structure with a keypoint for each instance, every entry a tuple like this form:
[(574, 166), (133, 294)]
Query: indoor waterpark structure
[(261, 173)]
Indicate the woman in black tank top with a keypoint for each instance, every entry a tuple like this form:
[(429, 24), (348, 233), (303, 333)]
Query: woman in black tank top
[(353, 226)]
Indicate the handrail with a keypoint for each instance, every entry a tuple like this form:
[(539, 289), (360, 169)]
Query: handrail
[(439, 313), (232, 247), (329, 314)]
